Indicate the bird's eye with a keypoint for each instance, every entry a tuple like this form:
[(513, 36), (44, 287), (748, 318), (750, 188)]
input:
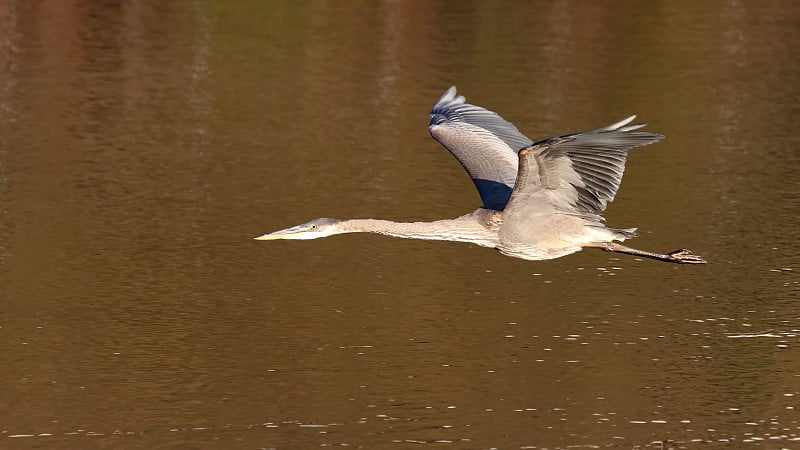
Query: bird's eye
[(314, 226)]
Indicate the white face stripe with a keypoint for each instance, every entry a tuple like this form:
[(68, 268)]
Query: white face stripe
[(304, 235)]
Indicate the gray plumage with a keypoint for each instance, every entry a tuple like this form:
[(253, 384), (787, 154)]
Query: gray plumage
[(484, 143), (540, 200)]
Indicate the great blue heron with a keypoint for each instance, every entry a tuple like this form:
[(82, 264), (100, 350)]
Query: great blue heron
[(541, 200)]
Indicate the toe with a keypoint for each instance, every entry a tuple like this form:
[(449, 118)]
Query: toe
[(685, 256)]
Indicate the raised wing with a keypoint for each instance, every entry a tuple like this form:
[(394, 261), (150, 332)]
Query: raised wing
[(577, 173), (484, 143)]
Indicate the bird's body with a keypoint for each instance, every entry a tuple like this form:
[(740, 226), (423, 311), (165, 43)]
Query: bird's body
[(541, 200)]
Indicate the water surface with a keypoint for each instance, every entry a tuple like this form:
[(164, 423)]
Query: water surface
[(143, 145)]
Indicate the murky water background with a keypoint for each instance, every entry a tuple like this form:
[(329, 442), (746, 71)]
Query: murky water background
[(143, 144)]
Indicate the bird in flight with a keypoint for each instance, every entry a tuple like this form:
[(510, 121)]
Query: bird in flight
[(541, 200)]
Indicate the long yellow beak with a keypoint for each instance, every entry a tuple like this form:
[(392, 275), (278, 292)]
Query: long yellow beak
[(269, 237)]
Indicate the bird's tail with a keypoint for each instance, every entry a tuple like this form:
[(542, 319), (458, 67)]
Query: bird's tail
[(624, 233)]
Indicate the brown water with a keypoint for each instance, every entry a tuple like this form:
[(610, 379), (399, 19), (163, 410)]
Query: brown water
[(143, 144)]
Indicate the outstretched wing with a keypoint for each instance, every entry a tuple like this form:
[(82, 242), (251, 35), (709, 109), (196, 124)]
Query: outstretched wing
[(577, 173), (484, 143)]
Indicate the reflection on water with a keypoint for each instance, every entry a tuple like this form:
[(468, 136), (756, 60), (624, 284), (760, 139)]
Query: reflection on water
[(143, 145)]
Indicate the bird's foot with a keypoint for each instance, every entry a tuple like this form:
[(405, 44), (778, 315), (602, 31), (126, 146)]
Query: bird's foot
[(685, 256)]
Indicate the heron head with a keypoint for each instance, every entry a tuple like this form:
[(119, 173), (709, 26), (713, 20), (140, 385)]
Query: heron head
[(314, 229)]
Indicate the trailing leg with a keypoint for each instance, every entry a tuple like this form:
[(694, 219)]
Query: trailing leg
[(680, 256)]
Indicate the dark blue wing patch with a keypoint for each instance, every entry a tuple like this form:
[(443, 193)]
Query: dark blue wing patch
[(494, 195)]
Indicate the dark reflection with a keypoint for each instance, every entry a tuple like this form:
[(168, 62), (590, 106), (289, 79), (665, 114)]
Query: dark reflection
[(143, 145)]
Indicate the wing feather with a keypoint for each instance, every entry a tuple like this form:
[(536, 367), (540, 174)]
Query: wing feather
[(578, 173), (484, 143)]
